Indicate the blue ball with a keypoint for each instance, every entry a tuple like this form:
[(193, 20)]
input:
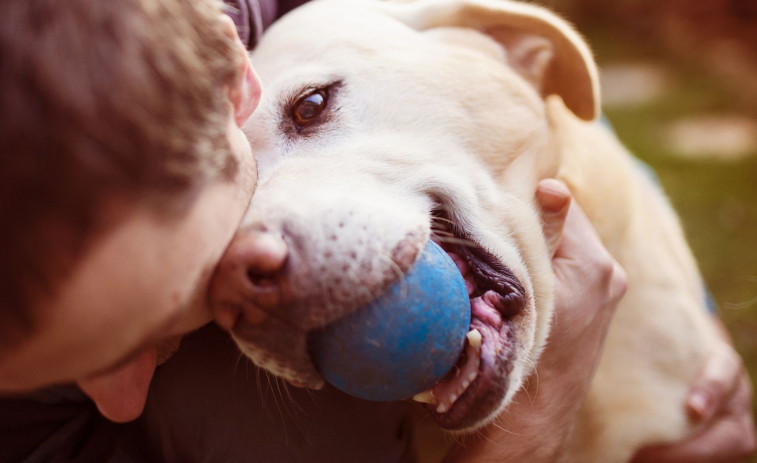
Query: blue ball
[(403, 342)]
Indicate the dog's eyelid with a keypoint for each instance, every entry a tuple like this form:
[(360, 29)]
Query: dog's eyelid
[(301, 92), (308, 107)]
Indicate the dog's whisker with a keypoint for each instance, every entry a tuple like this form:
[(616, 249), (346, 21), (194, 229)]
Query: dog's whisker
[(441, 230), (441, 227), (436, 218), (456, 240), (297, 407), (481, 436), (392, 265), (456, 438), (441, 234), (526, 383), (290, 405), (502, 428), (536, 376), (259, 382), (279, 404)]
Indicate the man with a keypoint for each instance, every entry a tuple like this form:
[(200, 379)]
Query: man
[(124, 175)]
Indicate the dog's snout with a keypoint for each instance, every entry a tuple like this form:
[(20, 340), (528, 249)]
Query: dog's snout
[(250, 278)]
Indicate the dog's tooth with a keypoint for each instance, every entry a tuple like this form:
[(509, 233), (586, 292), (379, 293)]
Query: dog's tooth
[(466, 383), (442, 408), (425, 397), (474, 338), (453, 398), (472, 376)]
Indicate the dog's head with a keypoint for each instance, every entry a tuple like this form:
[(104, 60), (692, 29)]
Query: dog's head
[(383, 125)]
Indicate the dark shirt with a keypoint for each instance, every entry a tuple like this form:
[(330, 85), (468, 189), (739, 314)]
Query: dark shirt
[(252, 17), (55, 425), (210, 404)]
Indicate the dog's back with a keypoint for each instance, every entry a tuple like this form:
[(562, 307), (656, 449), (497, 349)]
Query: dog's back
[(662, 329)]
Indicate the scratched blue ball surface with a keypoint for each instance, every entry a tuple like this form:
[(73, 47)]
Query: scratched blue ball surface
[(403, 342)]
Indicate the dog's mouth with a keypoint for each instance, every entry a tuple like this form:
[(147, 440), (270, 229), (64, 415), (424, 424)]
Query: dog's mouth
[(478, 383)]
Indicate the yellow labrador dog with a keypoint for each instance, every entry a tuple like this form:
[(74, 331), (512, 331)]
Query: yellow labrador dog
[(386, 124)]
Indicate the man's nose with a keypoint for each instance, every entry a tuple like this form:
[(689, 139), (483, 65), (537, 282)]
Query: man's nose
[(250, 279)]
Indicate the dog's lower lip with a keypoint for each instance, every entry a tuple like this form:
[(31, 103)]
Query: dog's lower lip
[(472, 404), (461, 398)]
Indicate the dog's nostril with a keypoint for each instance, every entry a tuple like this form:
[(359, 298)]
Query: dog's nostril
[(261, 280), (263, 257)]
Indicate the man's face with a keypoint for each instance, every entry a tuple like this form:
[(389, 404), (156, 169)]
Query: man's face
[(137, 289), (142, 283)]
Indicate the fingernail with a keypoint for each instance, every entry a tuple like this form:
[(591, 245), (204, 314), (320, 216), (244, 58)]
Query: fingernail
[(553, 195), (701, 405)]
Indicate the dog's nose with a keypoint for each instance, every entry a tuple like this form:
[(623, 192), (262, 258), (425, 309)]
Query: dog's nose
[(249, 278)]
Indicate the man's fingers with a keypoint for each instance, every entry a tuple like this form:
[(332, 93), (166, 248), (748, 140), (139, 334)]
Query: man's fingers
[(554, 200), (577, 239), (718, 447), (618, 283), (715, 384), (728, 438)]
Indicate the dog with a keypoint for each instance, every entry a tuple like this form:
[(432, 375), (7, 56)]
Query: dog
[(384, 124)]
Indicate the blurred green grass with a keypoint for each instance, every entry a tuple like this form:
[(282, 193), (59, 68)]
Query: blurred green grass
[(716, 199)]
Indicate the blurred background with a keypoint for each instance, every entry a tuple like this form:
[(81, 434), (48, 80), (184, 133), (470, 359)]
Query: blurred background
[(680, 88)]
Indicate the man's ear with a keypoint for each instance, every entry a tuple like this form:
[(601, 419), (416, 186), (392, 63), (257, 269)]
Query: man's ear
[(244, 90), (541, 47)]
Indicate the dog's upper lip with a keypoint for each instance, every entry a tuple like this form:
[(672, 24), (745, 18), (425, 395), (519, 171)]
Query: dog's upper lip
[(497, 296), (487, 271), (492, 275)]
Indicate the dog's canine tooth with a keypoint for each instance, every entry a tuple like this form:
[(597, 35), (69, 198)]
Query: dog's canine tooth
[(425, 397), (474, 338)]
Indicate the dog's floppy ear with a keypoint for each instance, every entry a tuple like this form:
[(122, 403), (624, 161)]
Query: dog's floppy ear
[(540, 46)]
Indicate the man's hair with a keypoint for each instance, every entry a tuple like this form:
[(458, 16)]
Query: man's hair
[(116, 98)]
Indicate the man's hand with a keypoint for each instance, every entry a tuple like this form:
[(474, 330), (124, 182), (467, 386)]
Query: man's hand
[(721, 399), (589, 285)]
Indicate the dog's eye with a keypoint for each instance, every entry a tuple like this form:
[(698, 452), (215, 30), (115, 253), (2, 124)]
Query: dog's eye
[(307, 109)]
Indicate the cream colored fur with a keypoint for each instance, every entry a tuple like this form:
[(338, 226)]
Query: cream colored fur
[(467, 104)]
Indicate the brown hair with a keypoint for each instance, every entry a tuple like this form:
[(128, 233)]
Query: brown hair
[(101, 98)]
